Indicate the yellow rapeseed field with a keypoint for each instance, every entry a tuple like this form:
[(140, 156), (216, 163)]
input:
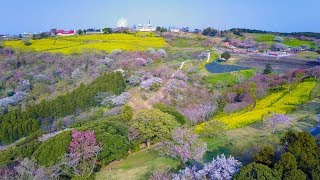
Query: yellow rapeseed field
[(77, 44), (281, 102)]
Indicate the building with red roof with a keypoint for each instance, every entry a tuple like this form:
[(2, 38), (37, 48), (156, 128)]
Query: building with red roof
[(60, 32)]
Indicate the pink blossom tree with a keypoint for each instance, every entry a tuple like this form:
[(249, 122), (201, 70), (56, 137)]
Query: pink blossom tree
[(83, 153)]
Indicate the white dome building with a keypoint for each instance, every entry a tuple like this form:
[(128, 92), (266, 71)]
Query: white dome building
[(122, 23)]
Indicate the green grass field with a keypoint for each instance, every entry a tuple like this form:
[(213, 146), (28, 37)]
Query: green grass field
[(290, 42), (136, 166), (228, 78), (78, 44), (308, 55), (264, 38)]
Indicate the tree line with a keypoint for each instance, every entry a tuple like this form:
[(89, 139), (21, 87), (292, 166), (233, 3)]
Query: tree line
[(16, 124), (239, 31)]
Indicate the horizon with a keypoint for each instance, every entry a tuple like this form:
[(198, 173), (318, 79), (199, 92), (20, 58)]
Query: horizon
[(35, 16)]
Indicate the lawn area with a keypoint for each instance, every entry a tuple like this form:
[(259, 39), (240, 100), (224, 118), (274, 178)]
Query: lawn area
[(264, 38), (292, 42), (269, 39), (77, 44), (228, 78), (308, 55), (136, 166)]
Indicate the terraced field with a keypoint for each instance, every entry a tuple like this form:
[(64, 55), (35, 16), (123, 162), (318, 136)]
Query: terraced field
[(78, 44)]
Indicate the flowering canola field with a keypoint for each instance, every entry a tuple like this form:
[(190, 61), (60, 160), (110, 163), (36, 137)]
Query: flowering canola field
[(281, 102), (78, 44)]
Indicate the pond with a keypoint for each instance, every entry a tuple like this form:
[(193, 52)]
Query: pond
[(315, 131), (216, 67)]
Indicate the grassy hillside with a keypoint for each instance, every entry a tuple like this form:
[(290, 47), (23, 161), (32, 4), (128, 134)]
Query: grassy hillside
[(77, 44), (136, 166), (269, 39)]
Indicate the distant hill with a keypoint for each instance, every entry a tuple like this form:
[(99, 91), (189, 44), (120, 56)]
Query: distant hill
[(238, 31)]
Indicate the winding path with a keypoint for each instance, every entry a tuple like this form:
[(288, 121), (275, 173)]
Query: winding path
[(209, 56), (181, 66)]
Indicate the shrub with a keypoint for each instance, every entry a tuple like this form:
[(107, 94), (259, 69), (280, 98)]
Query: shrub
[(266, 156), (172, 111), (26, 41), (162, 53), (114, 147), (226, 55), (213, 129), (51, 151), (278, 39), (268, 69), (257, 171), (154, 125)]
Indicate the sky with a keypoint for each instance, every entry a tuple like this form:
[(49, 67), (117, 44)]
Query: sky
[(18, 16)]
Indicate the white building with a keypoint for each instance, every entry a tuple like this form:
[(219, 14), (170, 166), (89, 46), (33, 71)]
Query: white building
[(147, 27), (175, 30)]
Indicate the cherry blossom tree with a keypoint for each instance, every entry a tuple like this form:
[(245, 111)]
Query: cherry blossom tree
[(276, 119), (221, 168), (198, 113), (28, 169), (185, 146), (83, 153)]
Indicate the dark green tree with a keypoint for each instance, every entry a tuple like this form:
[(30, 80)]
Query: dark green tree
[(304, 148), (52, 151), (266, 156), (287, 163), (161, 29), (107, 30), (79, 31), (154, 125), (257, 171), (295, 174), (209, 31), (226, 55), (172, 111), (268, 69)]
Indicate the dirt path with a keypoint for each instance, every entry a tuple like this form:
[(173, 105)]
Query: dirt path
[(209, 56)]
